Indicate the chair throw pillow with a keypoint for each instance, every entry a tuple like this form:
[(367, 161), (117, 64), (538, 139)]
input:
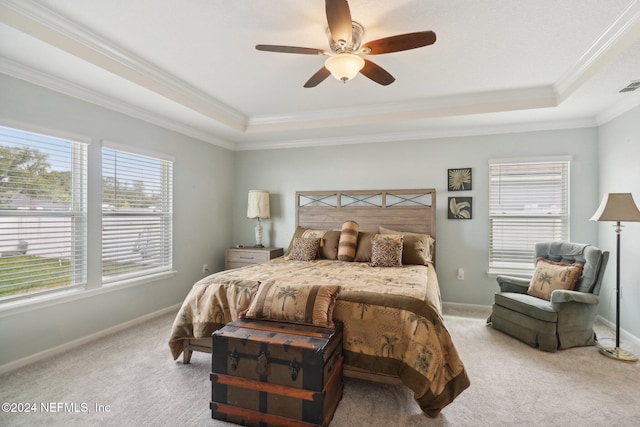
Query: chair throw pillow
[(550, 275), (299, 303), (348, 241)]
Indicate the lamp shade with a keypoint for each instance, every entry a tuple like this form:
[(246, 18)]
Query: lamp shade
[(344, 66), (617, 207), (258, 204)]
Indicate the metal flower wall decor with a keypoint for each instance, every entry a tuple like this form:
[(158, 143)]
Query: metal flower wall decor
[(459, 179)]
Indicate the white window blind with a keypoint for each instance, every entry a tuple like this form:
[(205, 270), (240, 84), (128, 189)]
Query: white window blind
[(43, 210), (528, 203), (137, 215)]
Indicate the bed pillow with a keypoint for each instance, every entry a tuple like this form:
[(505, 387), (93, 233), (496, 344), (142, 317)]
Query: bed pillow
[(304, 249), (417, 249), (331, 242), (348, 241), (328, 243), (363, 252), (306, 304), (386, 250), (550, 275)]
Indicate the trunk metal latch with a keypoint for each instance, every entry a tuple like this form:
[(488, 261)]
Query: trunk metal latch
[(234, 359), (263, 367), (294, 366)]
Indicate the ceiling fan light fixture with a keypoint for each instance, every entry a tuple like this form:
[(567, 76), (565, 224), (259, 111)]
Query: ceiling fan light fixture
[(344, 66), (346, 51)]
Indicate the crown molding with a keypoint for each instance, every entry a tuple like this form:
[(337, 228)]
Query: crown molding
[(420, 136), (623, 31), (475, 103), (65, 87), (22, 72), (46, 25)]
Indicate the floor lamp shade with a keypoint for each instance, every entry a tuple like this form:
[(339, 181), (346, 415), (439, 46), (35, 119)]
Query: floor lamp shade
[(617, 207), (258, 207)]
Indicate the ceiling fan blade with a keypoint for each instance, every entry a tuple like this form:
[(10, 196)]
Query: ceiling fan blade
[(339, 19), (377, 73), (290, 49), (318, 77), (401, 42)]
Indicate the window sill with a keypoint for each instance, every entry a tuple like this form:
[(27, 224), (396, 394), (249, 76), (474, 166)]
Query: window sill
[(37, 302), (493, 273)]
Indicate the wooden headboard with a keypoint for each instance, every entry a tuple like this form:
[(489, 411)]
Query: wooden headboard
[(411, 210)]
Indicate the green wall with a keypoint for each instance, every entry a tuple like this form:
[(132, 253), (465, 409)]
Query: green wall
[(420, 164), (203, 191)]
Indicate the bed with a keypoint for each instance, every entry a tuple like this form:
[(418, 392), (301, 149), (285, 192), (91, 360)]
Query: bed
[(392, 315)]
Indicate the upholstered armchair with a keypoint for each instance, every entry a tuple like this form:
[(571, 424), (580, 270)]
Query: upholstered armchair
[(566, 318)]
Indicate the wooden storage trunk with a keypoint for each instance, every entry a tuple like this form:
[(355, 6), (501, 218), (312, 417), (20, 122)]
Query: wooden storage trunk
[(276, 374)]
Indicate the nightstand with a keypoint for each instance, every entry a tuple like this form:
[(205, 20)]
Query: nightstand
[(240, 257)]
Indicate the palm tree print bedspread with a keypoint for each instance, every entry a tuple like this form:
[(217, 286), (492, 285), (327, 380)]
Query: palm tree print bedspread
[(392, 318)]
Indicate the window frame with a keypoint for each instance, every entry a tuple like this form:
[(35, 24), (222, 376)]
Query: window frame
[(554, 224), (93, 219), (165, 213), (77, 233)]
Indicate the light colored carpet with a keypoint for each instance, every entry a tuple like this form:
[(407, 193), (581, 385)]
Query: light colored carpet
[(511, 384)]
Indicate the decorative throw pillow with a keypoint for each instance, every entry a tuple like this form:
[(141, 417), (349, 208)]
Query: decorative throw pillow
[(328, 243), (550, 275), (307, 304), (416, 248), (348, 241), (304, 249), (386, 250)]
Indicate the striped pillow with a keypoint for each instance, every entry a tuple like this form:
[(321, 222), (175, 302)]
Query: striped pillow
[(297, 303), (348, 241)]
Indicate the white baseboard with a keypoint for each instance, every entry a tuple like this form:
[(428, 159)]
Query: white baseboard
[(623, 334), (486, 309), (472, 308), (63, 348)]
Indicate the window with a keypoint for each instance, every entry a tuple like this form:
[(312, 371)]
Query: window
[(137, 214), (43, 211), (528, 203)]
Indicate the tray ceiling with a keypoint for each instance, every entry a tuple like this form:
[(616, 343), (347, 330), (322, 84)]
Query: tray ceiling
[(192, 66)]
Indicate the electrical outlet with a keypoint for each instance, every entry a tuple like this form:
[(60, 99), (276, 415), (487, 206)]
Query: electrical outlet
[(460, 274), (205, 268)]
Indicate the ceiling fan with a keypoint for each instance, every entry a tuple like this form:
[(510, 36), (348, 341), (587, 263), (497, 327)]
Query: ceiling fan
[(347, 55)]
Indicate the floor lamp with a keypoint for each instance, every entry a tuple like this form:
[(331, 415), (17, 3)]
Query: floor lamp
[(617, 207)]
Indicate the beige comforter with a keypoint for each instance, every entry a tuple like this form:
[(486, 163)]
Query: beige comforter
[(392, 319)]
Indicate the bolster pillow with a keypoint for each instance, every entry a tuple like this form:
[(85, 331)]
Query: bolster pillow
[(348, 241)]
